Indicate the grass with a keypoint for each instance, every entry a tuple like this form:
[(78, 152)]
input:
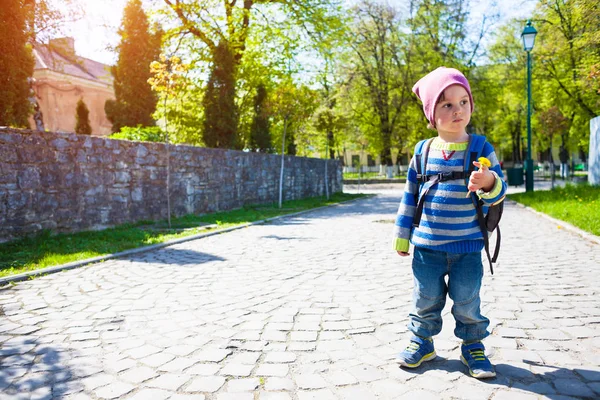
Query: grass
[(369, 175), (578, 205), (46, 250)]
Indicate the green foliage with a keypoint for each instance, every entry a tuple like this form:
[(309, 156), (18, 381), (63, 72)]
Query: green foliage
[(571, 29), (260, 134), (82, 119), (135, 101), (221, 116), (140, 134), (16, 65), (576, 204), (261, 38), (291, 105)]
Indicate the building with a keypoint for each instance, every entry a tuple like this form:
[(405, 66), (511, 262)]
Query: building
[(61, 78)]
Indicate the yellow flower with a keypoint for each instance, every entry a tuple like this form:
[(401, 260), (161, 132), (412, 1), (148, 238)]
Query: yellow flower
[(485, 163)]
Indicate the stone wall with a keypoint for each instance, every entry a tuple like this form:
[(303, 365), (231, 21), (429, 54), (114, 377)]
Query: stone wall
[(67, 182)]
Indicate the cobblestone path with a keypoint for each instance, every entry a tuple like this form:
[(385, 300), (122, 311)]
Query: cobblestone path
[(308, 307)]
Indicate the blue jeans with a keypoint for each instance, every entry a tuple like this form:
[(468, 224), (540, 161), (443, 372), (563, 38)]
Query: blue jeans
[(465, 272)]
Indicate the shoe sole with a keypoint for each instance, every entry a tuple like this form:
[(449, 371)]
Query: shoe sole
[(481, 375), (426, 357)]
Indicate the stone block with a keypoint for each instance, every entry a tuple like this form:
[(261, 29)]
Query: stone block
[(10, 138)]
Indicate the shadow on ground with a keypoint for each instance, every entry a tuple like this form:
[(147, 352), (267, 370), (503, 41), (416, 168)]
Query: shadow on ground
[(554, 383), (29, 369), (175, 256)]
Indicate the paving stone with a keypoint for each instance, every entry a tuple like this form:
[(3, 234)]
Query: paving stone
[(236, 369), (158, 359), (355, 392), (512, 395), (511, 333), (275, 336), (303, 336), (143, 351), (419, 394), (280, 357), (590, 373), (274, 383), (138, 375), (187, 397), (243, 385), (572, 387), (310, 381), (301, 346), (235, 396), (273, 396), (177, 365), (279, 370), (215, 355), (170, 382), (205, 384), (114, 390), (341, 378), (537, 387), (154, 394), (98, 380), (85, 336), (548, 334), (389, 388), (204, 369), (320, 394)]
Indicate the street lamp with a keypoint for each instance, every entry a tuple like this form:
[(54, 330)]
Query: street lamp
[(528, 37)]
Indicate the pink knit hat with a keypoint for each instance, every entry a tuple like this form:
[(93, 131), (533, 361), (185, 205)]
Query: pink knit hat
[(430, 87)]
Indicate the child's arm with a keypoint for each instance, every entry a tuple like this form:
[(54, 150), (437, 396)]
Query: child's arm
[(406, 212)]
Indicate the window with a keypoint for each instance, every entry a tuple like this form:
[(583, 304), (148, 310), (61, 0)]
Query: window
[(370, 161)]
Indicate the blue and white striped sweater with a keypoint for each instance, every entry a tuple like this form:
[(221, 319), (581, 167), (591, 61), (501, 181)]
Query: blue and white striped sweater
[(449, 221)]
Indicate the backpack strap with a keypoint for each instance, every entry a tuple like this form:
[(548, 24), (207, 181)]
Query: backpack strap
[(474, 151), (421, 156), (422, 148)]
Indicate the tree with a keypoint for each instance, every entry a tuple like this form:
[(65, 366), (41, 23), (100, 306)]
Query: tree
[(567, 51), (500, 92), (16, 64), (82, 119), (260, 135), (222, 29), (221, 115), (381, 68), (135, 101)]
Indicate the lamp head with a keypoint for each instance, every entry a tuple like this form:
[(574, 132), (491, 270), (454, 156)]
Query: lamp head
[(528, 36)]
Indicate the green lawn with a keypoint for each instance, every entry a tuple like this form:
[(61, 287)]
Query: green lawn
[(578, 205), (47, 250), (369, 175)]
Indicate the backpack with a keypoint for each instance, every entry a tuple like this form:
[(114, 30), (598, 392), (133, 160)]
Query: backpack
[(487, 223)]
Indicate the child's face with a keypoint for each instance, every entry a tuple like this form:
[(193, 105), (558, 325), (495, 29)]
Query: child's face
[(453, 112)]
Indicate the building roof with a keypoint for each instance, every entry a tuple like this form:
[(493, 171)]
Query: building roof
[(59, 56)]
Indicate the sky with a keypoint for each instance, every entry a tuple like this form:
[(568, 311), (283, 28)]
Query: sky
[(96, 33)]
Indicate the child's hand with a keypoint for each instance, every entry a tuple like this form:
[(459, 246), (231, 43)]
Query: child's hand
[(481, 179), (403, 253)]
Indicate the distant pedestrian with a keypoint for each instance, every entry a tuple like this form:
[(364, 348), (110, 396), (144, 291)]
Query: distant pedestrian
[(446, 233), (563, 155)]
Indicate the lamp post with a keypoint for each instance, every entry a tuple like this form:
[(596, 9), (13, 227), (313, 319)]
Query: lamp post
[(528, 37)]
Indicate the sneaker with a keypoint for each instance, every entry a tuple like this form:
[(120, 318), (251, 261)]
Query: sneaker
[(473, 356), (418, 351)]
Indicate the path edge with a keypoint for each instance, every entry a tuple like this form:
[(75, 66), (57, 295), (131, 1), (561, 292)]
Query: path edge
[(8, 280), (562, 224)]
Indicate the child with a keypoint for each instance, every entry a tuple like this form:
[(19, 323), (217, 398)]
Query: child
[(448, 240)]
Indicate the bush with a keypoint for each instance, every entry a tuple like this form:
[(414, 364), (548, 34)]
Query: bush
[(140, 134)]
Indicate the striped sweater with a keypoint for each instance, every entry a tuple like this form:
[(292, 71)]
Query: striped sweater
[(449, 221)]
